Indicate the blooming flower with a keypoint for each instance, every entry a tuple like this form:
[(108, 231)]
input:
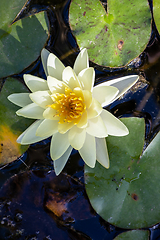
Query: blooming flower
[(70, 109)]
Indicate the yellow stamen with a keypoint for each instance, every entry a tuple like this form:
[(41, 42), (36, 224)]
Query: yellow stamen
[(69, 106)]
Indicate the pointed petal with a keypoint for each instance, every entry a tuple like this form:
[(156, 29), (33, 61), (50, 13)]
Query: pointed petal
[(81, 61), (95, 109), (41, 98), (114, 126), (64, 127), (54, 66), (31, 111), (122, 83), (83, 121), (96, 127), (56, 86), (20, 99), (87, 78), (44, 56), (50, 113), (102, 152), (29, 135), (70, 78), (47, 128), (88, 151), (87, 98), (35, 83), (77, 137), (60, 163), (59, 145), (104, 94)]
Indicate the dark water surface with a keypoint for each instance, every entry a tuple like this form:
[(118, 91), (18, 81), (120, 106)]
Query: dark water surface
[(34, 203)]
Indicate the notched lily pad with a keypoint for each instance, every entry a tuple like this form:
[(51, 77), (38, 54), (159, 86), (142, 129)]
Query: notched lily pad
[(114, 38), (11, 125), (21, 42), (127, 194), (134, 234)]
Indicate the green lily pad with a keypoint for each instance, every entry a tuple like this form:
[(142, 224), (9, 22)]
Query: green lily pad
[(134, 234), (21, 42), (113, 38), (156, 13), (11, 125), (127, 194)]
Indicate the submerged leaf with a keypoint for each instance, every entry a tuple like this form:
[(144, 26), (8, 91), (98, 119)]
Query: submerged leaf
[(134, 234)]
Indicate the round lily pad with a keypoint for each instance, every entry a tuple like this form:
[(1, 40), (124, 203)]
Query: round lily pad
[(21, 42), (115, 37), (134, 234), (127, 194), (156, 13), (11, 125)]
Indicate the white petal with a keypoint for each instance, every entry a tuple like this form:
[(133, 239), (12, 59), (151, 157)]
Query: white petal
[(59, 145), (56, 86), (77, 137), (64, 127), (102, 152), (87, 78), (83, 121), (29, 135), (47, 128), (88, 151), (60, 163), (54, 66), (50, 113), (104, 94), (44, 56), (122, 83), (87, 98), (20, 99), (96, 127), (95, 109), (35, 83), (114, 126), (70, 78), (81, 61), (41, 98), (31, 111)]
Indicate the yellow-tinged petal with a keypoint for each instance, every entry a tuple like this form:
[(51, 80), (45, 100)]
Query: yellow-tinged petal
[(55, 85), (54, 67), (114, 126), (70, 78), (95, 109), (44, 56), (20, 99), (64, 127), (47, 128), (60, 163), (35, 83), (87, 78), (87, 98), (122, 83), (96, 127), (102, 152), (31, 111), (104, 94), (59, 145), (77, 137), (81, 61), (88, 151), (50, 113), (29, 135), (83, 121), (42, 98)]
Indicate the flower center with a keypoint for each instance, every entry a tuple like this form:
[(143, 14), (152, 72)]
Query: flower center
[(69, 106)]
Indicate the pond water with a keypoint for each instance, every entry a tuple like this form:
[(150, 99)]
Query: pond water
[(34, 203)]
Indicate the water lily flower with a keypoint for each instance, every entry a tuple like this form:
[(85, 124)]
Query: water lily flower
[(70, 109)]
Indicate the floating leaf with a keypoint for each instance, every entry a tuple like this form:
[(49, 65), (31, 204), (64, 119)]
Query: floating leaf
[(20, 43), (11, 125), (127, 194), (134, 234), (156, 13), (113, 38)]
